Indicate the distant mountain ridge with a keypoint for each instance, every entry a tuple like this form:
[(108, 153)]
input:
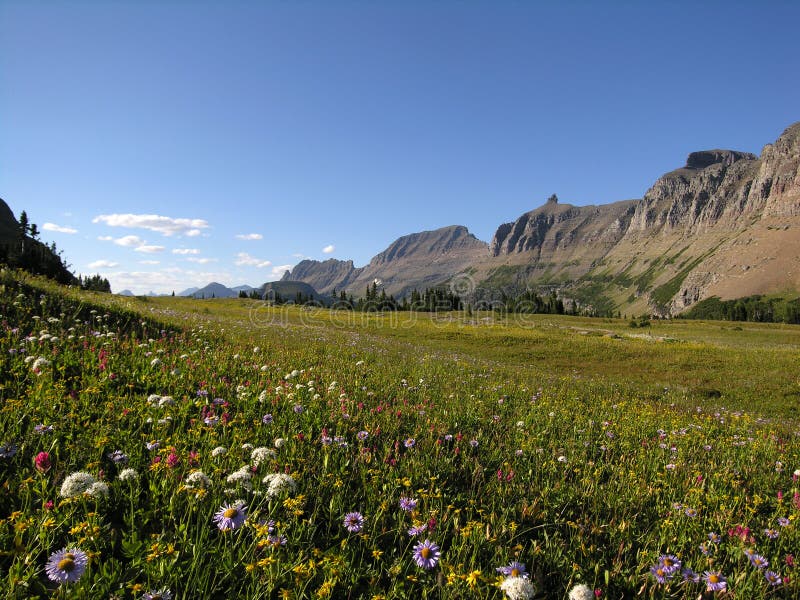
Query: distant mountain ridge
[(727, 223), (414, 261)]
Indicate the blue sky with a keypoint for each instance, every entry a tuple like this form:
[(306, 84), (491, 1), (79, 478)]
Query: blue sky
[(171, 144)]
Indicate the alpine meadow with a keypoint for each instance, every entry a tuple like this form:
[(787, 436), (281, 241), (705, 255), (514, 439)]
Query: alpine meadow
[(239, 449)]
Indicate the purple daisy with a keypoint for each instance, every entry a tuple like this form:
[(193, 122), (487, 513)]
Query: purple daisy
[(276, 541), (8, 450), (66, 566), (426, 554), (118, 457), (408, 504), (771, 533), (362, 436), (354, 522), (230, 516), (758, 561), (670, 563), (773, 578), (660, 574), (690, 576), (715, 581), (417, 530), (267, 419), (410, 443), (513, 569), (163, 594), (783, 521)]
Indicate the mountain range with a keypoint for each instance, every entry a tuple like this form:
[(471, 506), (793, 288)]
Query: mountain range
[(725, 224)]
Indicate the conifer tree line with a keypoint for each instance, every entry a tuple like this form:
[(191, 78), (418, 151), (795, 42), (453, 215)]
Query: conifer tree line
[(433, 299), (22, 249)]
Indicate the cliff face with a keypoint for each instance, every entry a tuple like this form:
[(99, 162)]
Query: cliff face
[(777, 182), (727, 223), (710, 191), (555, 229), (323, 276), (418, 260), (761, 253)]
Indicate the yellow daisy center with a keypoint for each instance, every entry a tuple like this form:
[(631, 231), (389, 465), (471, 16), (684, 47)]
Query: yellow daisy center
[(515, 572), (231, 513), (425, 553), (66, 564), (713, 578)]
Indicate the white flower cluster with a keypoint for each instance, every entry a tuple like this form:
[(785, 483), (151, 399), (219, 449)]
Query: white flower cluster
[(219, 451), (160, 401), (80, 482), (518, 588), (40, 363), (198, 479), (581, 592), (278, 483), (128, 475), (261, 454), (241, 477)]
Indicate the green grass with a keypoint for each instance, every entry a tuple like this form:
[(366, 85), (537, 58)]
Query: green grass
[(580, 447)]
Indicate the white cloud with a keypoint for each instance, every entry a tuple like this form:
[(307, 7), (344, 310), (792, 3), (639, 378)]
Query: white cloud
[(150, 249), (149, 262), (250, 236), (129, 241), (201, 261), (244, 259), (105, 238), (164, 225), (185, 251), (102, 264), (328, 249), (58, 228), (280, 270)]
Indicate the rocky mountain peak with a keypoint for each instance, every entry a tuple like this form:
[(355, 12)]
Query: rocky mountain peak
[(429, 244), (706, 158)]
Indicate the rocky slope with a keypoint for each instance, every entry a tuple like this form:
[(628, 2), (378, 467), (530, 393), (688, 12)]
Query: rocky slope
[(724, 224)]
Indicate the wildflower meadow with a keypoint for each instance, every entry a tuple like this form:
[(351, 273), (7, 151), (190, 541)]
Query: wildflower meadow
[(179, 449)]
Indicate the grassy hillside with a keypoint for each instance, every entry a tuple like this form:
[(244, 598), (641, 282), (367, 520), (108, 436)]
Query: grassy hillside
[(585, 449)]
